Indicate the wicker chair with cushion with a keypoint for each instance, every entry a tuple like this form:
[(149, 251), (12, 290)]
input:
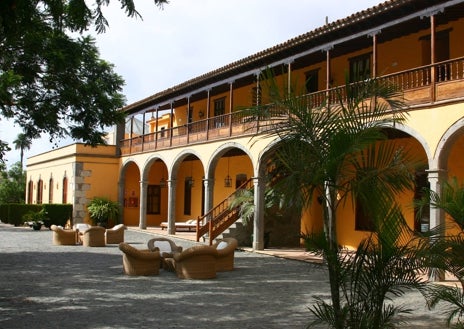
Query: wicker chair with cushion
[(139, 262), (197, 262), (115, 235), (80, 229), (63, 237), (94, 237), (226, 250)]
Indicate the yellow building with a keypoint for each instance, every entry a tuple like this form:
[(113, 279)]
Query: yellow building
[(197, 137)]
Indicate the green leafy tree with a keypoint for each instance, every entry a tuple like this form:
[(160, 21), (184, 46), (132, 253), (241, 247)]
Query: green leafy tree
[(12, 184), (446, 250), (336, 152), (51, 77)]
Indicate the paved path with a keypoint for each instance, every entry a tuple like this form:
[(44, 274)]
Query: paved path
[(46, 286)]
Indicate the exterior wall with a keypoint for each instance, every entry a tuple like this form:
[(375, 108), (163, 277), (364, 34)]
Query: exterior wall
[(435, 130), (90, 172)]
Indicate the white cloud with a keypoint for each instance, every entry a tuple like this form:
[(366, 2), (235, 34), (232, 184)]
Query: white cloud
[(190, 38)]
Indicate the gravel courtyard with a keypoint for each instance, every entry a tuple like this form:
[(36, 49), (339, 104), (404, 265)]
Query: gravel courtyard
[(47, 286)]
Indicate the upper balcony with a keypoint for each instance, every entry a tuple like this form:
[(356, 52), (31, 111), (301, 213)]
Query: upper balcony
[(422, 86)]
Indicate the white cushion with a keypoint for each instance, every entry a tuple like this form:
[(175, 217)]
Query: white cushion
[(82, 227), (222, 245), (163, 246)]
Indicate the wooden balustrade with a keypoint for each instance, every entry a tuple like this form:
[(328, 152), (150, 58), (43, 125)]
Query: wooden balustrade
[(418, 85)]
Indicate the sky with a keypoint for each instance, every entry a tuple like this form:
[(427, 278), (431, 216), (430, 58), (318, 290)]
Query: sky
[(189, 38)]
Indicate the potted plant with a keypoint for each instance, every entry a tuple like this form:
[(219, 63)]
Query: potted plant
[(36, 219), (101, 210)]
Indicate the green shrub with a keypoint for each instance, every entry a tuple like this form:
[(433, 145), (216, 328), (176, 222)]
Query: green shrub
[(16, 212), (13, 213), (58, 214)]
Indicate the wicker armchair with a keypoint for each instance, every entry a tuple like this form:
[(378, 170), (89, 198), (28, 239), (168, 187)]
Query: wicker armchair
[(63, 237), (115, 235), (94, 237), (139, 262), (197, 262), (226, 250)]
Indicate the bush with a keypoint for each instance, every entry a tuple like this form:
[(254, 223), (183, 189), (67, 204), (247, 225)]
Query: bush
[(58, 214), (13, 213)]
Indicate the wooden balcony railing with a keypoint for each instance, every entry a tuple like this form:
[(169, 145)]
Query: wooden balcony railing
[(422, 85)]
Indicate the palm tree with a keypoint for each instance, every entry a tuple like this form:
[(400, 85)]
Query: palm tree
[(446, 251), (337, 151), (22, 142)]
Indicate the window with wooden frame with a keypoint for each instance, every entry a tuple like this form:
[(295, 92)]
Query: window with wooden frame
[(50, 190), (188, 196), (153, 199), (362, 221), (64, 195), (219, 111), (311, 82), (30, 191), (39, 191), (360, 68)]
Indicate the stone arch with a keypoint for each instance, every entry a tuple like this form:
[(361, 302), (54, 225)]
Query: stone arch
[(440, 159), (220, 151)]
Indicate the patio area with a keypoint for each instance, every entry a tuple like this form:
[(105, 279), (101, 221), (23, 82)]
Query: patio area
[(50, 286)]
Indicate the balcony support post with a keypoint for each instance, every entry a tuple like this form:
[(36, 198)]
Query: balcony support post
[(432, 57), (143, 131), (171, 120), (207, 114), (156, 128), (189, 115), (231, 99)]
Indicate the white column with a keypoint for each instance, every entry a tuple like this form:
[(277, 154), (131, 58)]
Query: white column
[(258, 221), (171, 206), (437, 216), (143, 205), (435, 177)]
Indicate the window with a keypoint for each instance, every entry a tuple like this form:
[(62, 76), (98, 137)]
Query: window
[(64, 195), (30, 191), (50, 190), (188, 196), (239, 180), (362, 220), (153, 199), (190, 114), (39, 191), (163, 132), (219, 111), (311, 81), (360, 68)]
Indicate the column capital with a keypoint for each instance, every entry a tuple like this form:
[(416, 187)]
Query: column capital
[(374, 33), (327, 48), (436, 173)]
